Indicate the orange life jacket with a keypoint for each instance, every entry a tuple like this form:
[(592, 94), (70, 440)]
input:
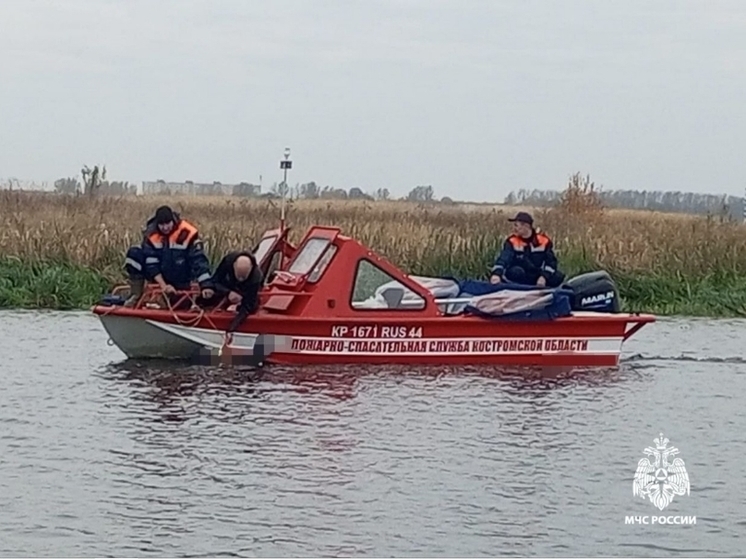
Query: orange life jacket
[(521, 245), (179, 238)]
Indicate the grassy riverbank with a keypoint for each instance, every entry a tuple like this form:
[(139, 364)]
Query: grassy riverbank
[(48, 285), (62, 252)]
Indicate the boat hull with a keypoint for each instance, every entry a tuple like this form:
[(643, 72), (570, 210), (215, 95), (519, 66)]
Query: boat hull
[(136, 338), (586, 339)]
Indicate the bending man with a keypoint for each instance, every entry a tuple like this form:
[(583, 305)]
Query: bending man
[(239, 277)]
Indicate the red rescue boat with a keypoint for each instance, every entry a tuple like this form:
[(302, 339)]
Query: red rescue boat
[(333, 300)]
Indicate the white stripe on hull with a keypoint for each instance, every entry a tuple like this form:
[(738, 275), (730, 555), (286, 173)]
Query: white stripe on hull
[(476, 346), (143, 338), (206, 337)]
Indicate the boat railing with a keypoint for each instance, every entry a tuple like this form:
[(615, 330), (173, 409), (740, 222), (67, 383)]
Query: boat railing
[(153, 298)]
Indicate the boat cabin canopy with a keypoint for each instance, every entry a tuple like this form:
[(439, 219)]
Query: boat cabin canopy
[(330, 274), (273, 250)]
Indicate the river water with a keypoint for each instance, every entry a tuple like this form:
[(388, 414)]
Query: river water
[(100, 456)]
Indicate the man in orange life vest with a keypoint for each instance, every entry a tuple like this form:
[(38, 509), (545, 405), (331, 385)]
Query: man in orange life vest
[(171, 255), (527, 257)]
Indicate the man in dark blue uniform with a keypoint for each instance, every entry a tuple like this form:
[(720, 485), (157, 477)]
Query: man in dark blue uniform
[(171, 255), (527, 256)]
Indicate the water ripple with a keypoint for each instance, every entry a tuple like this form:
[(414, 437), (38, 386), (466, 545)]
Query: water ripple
[(100, 456)]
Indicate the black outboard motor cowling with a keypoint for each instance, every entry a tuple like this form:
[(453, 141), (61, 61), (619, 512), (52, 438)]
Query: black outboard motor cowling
[(593, 291)]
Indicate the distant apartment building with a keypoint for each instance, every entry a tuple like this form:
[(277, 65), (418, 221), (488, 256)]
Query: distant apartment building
[(190, 188)]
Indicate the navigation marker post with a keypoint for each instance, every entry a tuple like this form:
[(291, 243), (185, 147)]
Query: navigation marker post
[(284, 165)]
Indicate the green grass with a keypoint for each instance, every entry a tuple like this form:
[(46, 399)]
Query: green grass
[(48, 285), (64, 286)]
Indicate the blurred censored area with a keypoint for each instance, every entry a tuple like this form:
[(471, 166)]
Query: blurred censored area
[(230, 355)]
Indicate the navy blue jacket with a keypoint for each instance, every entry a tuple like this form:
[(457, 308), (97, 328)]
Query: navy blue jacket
[(178, 256), (224, 281), (535, 255)]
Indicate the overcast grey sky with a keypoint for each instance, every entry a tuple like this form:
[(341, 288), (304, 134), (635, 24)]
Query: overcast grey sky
[(473, 97)]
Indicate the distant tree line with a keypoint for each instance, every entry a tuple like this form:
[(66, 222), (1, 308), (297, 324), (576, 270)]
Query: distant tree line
[(303, 191), (676, 202), (93, 183), (72, 185), (312, 191), (671, 202)]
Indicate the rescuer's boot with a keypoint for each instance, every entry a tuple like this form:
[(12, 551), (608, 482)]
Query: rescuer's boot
[(136, 289)]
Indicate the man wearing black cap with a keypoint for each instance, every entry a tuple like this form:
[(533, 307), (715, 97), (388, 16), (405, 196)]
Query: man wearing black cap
[(527, 256), (171, 255), (134, 262)]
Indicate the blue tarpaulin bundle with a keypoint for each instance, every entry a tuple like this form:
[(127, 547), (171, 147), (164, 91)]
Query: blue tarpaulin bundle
[(514, 301)]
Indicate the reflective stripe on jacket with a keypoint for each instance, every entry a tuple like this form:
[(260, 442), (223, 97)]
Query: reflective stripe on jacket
[(535, 255), (178, 256)]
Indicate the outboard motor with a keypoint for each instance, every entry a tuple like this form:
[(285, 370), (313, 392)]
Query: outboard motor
[(594, 291)]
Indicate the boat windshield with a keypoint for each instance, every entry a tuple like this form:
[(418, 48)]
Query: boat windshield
[(374, 288), (308, 255), (264, 246)]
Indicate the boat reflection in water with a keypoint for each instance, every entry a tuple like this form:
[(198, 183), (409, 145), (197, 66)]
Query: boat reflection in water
[(171, 385)]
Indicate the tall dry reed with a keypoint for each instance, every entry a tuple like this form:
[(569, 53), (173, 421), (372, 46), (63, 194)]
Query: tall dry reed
[(459, 239)]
